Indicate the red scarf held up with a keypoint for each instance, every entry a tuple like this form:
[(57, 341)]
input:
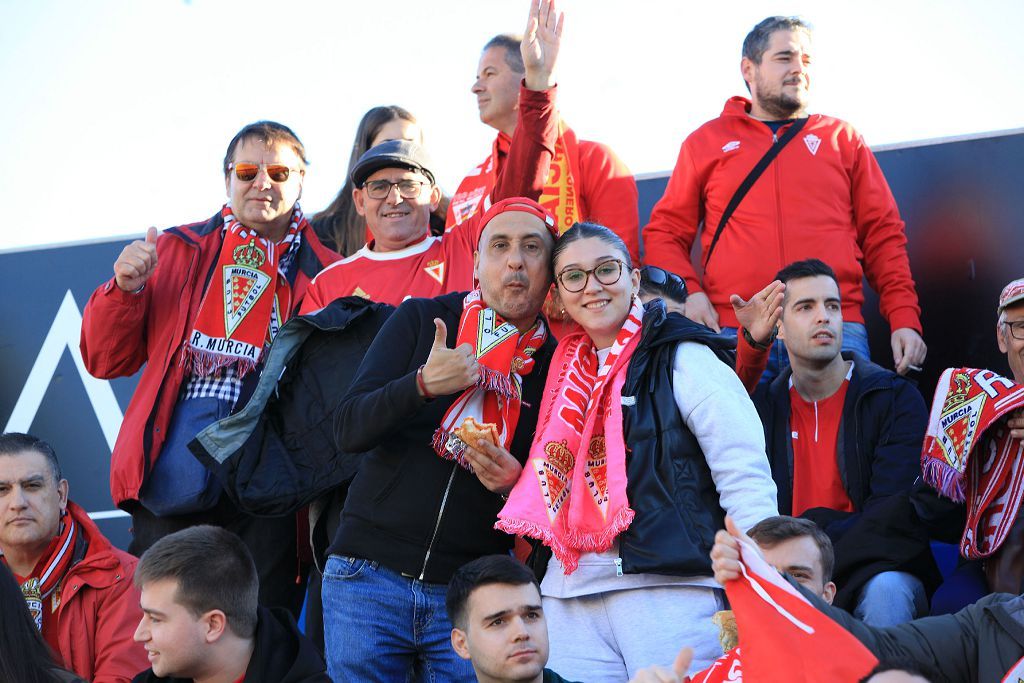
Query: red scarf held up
[(248, 300), (559, 196), (572, 492), (968, 454), (504, 357), (48, 573)]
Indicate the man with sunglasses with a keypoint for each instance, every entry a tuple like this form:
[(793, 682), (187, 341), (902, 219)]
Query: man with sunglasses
[(395, 192), (197, 305), (824, 196)]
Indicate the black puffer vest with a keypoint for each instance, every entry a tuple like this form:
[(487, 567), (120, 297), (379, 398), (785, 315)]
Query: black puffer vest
[(669, 482)]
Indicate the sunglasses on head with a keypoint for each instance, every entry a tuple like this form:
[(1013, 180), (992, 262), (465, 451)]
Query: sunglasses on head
[(670, 283), (246, 172)]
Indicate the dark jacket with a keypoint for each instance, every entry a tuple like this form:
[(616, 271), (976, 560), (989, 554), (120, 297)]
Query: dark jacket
[(407, 508), (281, 655), (669, 483), (279, 453), (978, 644), (878, 452)]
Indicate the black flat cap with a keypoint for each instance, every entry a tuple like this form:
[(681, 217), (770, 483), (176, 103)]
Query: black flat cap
[(392, 154)]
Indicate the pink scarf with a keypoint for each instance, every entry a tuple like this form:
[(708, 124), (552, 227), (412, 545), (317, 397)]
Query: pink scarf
[(968, 454), (572, 493)]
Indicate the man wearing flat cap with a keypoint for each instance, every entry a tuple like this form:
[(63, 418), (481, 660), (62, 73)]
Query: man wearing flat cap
[(395, 191)]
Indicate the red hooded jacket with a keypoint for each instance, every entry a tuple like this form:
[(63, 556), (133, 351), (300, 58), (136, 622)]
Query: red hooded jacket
[(823, 197), (99, 611), (122, 331)]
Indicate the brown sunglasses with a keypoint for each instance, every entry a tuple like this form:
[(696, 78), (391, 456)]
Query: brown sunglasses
[(278, 173)]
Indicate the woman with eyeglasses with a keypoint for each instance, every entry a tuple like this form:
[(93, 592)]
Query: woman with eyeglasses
[(645, 440), (339, 226)]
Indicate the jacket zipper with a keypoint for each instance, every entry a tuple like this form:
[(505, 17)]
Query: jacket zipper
[(778, 203), (618, 566), (437, 524)]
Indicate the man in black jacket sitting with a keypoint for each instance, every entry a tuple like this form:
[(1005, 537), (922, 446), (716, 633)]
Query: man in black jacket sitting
[(844, 439), (424, 502)]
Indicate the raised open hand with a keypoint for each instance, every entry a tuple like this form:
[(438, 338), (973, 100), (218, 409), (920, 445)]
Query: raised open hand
[(761, 313), (541, 41)]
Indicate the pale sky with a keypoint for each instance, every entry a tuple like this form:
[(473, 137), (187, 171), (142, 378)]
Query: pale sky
[(116, 114)]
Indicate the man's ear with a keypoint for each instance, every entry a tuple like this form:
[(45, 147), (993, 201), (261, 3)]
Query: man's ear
[(747, 69), (62, 493), (216, 624), (459, 643), (476, 265), (829, 592), (1003, 348), (359, 201), (435, 198)]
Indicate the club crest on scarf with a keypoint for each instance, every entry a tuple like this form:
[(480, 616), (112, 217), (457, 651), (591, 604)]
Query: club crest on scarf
[(244, 283), (968, 454), (504, 357), (572, 495), (34, 601), (244, 307)]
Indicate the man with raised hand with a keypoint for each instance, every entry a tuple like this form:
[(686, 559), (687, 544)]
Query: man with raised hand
[(823, 196), (395, 191), (194, 308), (587, 182)]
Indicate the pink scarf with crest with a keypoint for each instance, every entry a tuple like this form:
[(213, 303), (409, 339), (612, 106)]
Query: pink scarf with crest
[(572, 493)]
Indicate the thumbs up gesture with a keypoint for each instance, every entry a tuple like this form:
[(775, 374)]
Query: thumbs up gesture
[(448, 371), (136, 263)]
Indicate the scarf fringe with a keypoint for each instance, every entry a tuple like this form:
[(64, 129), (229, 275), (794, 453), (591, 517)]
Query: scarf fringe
[(575, 542), (205, 363), (492, 380), (947, 480)]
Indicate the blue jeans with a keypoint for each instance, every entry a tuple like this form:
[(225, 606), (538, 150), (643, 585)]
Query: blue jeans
[(855, 338), (891, 598), (382, 626)]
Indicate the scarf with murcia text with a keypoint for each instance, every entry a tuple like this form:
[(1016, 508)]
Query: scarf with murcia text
[(504, 356), (248, 300), (46, 577), (572, 492), (969, 457)]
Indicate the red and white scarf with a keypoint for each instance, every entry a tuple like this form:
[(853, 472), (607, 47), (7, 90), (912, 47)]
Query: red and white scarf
[(572, 493), (248, 300), (504, 357), (49, 571), (559, 196), (968, 454)]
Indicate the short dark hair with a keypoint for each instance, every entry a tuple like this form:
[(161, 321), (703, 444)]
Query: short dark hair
[(214, 570), (512, 42), (269, 133), (662, 283), (586, 230), (484, 571), (909, 666), (756, 42), (13, 443), (771, 531), (811, 267)]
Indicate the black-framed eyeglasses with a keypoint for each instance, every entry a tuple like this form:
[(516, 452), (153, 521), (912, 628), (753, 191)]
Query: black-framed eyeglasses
[(1016, 329), (407, 187), (665, 282), (606, 272)]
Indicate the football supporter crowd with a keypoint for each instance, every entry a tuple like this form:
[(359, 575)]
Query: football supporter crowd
[(507, 435)]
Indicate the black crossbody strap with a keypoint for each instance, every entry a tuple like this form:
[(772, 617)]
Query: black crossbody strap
[(749, 181)]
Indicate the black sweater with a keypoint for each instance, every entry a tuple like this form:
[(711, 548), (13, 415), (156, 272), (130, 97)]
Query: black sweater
[(407, 508)]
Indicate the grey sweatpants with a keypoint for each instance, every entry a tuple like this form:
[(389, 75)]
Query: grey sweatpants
[(608, 637)]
